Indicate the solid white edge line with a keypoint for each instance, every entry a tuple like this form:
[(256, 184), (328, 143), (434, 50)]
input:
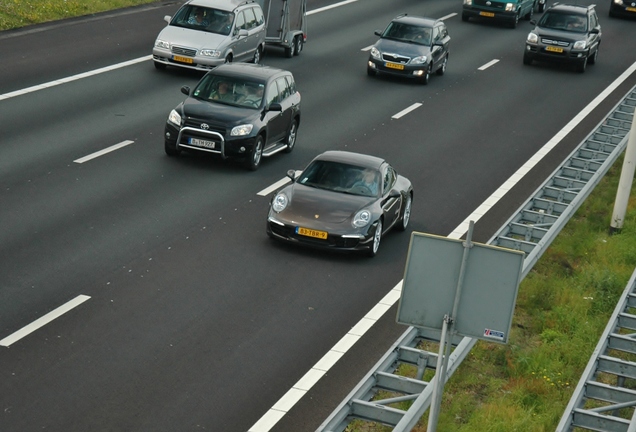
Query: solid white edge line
[(286, 403), (335, 5), (103, 152), (487, 65), (42, 321), (406, 111)]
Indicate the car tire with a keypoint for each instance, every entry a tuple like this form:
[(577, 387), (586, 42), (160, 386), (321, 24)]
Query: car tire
[(253, 160), (427, 75), (298, 44), (406, 213), (170, 150), (582, 66), (159, 66), (377, 237), (465, 17), (527, 60), (442, 68), (228, 59), (515, 21), (594, 57), (291, 136), (257, 55)]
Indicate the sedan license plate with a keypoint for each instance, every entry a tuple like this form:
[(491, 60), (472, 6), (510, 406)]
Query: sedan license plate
[(394, 66), (201, 143), (311, 233), (487, 14), (183, 59), (554, 49)]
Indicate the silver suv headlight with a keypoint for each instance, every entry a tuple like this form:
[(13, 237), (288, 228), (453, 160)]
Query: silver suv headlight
[(210, 53), (162, 44), (532, 38), (418, 60), (241, 130), (375, 53), (279, 203), (361, 219), (174, 118), (578, 45)]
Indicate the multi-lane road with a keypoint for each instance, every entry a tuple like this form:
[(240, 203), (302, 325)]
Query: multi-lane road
[(185, 315)]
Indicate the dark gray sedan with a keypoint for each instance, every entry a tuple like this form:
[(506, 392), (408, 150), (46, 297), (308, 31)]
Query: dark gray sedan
[(412, 47), (342, 200)]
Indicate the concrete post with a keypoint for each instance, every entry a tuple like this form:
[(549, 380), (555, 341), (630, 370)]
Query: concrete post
[(625, 182)]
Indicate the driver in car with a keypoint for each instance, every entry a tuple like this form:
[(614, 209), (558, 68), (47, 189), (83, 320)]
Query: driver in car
[(368, 182)]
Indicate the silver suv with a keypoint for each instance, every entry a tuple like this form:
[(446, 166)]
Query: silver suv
[(206, 33)]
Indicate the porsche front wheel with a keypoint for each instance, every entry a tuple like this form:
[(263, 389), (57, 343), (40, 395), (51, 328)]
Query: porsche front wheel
[(377, 236)]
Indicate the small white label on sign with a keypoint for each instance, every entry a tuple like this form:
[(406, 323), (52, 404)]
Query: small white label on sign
[(494, 334)]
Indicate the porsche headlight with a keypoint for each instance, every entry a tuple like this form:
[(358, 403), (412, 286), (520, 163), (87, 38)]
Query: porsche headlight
[(162, 44), (210, 53), (578, 45), (361, 219), (532, 38), (375, 53), (174, 118), (418, 60), (279, 203), (241, 130)]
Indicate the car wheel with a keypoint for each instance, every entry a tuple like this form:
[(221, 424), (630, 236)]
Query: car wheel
[(406, 213), (377, 236), (427, 75), (371, 72), (254, 159), (257, 56), (582, 66), (291, 136), (289, 51), (515, 21), (592, 59), (527, 60), (159, 66), (298, 44), (465, 17), (172, 151), (228, 59), (442, 68)]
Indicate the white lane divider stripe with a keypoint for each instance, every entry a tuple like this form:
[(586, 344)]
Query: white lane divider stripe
[(42, 321), (103, 152), (335, 5), (487, 65), (407, 110)]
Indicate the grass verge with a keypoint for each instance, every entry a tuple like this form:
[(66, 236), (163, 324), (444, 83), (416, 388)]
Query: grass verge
[(562, 308)]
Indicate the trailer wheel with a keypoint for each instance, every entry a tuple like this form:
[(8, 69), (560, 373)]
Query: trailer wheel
[(289, 51), (298, 44)]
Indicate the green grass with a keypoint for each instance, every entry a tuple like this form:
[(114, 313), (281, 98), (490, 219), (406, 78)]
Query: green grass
[(20, 13), (562, 308)]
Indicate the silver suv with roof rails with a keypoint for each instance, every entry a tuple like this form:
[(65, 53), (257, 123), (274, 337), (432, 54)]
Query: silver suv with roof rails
[(206, 33), (566, 33)]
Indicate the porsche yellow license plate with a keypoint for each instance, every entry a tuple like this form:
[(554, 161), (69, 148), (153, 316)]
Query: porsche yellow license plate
[(394, 66), (182, 59), (311, 233), (487, 14), (554, 49)]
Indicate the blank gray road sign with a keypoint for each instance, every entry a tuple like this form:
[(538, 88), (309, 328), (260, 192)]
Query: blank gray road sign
[(488, 294)]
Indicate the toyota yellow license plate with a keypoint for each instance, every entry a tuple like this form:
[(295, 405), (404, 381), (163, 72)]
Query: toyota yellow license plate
[(394, 66), (554, 49), (487, 14), (312, 233), (182, 59)]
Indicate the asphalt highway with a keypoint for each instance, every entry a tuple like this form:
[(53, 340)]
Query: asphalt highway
[(187, 316)]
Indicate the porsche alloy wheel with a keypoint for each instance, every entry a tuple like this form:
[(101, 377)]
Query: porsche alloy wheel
[(377, 236), (406, 213)]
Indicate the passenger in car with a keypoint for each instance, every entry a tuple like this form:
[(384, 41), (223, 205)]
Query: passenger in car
[(198, 18)]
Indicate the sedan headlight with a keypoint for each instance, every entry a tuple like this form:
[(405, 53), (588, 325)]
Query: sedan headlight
[(279, 203), (578, 45), (210, 53), (361, 219), (510, 7), (162, 44), (532, 38), (418, 60), (174, 118), (375, 53), (241, 130)]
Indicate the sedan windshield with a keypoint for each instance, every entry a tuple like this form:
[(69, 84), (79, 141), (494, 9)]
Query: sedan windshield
[(230, 91), (344, 178), (204, 19), (566, 22), (408, 33)]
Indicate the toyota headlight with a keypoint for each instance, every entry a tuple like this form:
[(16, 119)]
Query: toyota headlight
[(174, 118), (210, 53), (532, 38), (579, 45), (162, 44), (241, 130), (375, 53), (361, 219), (418, 60), (279, 203)]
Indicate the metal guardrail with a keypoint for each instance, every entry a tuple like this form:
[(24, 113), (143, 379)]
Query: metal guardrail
[(531, 229)]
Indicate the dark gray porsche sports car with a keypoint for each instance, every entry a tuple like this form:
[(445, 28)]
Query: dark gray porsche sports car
[(343, 201)]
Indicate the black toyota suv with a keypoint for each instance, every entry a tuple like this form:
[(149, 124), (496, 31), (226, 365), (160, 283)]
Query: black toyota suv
[(237, 110), (565, 33)]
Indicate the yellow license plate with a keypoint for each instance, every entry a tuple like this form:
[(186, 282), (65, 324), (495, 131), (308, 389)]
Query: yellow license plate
[(630, 9), (487, 14), (312, 233), (554, 49), (394, 66), (182, 59)]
